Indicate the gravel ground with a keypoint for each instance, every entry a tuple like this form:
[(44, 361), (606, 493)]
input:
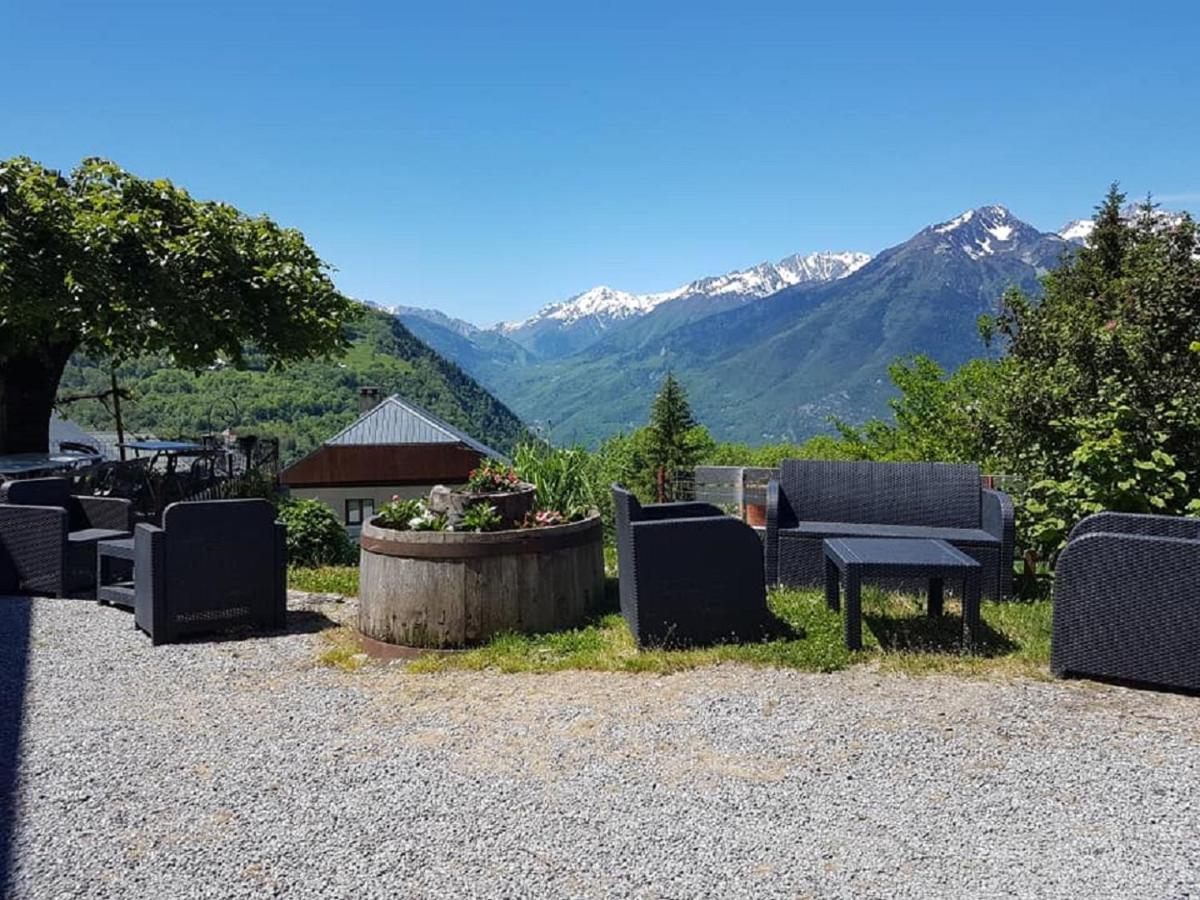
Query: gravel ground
[(243, 769)]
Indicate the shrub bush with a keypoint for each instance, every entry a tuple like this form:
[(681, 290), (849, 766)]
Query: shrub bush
[(315, 537)]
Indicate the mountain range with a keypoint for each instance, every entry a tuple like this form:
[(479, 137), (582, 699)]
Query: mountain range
[(768, 353)]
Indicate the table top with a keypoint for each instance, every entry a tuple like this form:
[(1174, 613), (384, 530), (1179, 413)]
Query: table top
[(24, 463), (122, 548), (898, 552), (163, 446)]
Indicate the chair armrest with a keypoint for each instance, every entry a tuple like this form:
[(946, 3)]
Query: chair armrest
[(998, 520), (34, 539), (682, 510), (1126, 599), (1137, 524), (107, 512), (149, 594), (779, 515)]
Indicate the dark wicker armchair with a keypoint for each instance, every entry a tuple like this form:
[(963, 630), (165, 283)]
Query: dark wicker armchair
[(48, 536), (1127, 600), (818, 499), (689, 574), (213, 565)]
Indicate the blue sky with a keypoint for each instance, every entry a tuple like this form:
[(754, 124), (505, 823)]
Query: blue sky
[(487, 158)]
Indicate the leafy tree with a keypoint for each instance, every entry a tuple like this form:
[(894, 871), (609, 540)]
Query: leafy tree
[(1101, 390), (937, 416), (121, 266)]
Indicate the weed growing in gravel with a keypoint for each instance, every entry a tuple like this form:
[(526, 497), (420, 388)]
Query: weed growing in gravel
[(341, 650), (325, 580)]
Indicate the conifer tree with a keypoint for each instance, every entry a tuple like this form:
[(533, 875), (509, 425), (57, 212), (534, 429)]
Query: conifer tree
[(671, 425)]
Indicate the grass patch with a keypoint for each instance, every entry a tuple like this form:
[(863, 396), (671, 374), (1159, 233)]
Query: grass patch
[(341, 650), (325, 580), (896, 634)]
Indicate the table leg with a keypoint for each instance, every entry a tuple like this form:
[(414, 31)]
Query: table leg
[(832, 585), (971, 625), (853, 609), (934, 606), (101, 575)]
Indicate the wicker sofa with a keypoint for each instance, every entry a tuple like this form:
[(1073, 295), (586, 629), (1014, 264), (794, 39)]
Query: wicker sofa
[(817, 499), (689, 574), (213, 565), (48, 536), (1127, 600)]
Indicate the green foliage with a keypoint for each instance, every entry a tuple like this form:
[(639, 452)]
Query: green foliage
[(123, 266), (936, 417), (1114, 466), (480, 517), (315, 537), (1100, 392), (568, 479), (492, 477), (302, 404), (769, 456), (428, 520), (398, 513)]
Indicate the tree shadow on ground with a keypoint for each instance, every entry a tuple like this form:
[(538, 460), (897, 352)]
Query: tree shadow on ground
[(944, 634)]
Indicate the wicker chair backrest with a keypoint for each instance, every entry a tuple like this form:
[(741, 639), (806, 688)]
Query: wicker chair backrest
[(220, 548), (932, 494), (44, 492)]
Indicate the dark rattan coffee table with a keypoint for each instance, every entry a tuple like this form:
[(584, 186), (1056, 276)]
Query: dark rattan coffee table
[(111, 588), (856, 559)]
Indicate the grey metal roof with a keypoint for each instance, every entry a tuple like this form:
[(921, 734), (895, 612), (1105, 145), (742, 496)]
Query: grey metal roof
[(65, 430), (395, 421)]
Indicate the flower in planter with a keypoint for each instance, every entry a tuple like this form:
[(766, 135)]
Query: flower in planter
[(409, 515), (543, 518), (493, 478)]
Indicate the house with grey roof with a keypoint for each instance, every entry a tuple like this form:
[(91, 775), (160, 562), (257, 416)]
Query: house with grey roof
[(394, 448)]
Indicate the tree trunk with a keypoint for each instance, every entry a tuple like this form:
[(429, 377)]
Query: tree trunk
[(28, 384)]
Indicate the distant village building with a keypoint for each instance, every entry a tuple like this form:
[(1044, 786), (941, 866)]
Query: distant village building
[(393, 448)]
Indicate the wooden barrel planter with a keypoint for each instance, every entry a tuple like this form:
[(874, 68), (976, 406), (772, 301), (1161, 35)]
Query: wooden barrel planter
[(442, 589)]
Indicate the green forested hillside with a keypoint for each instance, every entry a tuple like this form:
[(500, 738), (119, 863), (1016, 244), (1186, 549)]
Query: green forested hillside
[(301, 404)]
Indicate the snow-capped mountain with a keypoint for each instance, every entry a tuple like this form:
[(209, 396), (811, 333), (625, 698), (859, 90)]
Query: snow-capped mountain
[(571, 324), (779, 367), (988, 231)]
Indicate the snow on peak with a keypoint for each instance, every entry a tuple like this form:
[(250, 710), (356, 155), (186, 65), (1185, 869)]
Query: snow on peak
[(956, 222), (606, 304), (602, 301), (1079, 230), (981, 232)]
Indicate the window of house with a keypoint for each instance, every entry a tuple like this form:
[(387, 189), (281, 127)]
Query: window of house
[(358, 511)]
